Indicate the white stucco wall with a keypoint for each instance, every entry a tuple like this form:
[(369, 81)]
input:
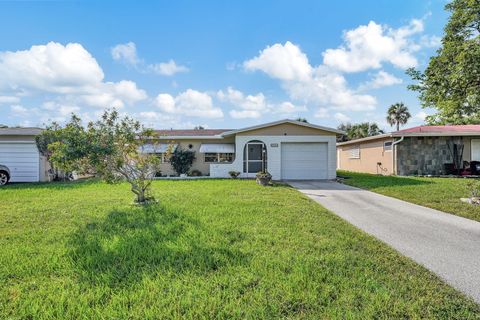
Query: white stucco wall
[(274, 155)]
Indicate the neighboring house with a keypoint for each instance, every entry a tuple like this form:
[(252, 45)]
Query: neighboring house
[(18, 152), (288, 149), (420, 150)]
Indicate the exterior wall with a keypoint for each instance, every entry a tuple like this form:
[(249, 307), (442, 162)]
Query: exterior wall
[(274, 154), (288, 129), (427, 155), (371, 153), (199, 162)]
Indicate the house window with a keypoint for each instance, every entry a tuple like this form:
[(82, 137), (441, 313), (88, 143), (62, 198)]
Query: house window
[(163, 157), (387, 146), (218, 157), (225, 157), (355, 152), (211, 157)]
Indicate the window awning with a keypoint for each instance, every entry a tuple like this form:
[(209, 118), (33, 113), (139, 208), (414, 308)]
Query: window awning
[(156, 148), (217, 148)]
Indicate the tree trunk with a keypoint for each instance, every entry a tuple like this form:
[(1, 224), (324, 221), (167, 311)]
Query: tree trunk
[(141, 197), (398, 126)]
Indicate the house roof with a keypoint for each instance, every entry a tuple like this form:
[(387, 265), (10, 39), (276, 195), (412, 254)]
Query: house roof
[(220, 133), (191, 132), (378, 136), (425, 131), (270, 124), (448, 130), (20, 131)]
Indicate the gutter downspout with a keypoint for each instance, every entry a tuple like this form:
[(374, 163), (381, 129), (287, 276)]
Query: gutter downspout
[(394, 155)]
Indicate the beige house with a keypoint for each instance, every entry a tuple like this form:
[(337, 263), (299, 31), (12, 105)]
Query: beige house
[(287, 149), (423, 150)]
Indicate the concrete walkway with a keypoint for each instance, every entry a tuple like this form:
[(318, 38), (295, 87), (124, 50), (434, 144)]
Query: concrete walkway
[(445, 244)]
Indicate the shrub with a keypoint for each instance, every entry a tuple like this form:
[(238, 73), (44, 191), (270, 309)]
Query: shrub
[(234, 174), (262, 174), (473, 187), (181, 160), (195, 173)]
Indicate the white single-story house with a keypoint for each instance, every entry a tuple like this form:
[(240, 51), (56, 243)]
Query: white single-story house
[(19, 153), (288, 149)]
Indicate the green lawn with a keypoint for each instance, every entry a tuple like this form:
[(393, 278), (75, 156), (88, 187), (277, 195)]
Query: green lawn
[(438, 193), (210, 249)]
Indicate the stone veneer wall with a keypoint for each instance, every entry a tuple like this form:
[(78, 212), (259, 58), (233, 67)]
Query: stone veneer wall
[(424, 155)]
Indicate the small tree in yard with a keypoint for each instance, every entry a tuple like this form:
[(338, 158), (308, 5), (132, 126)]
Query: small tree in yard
[(63, 146), (181, 160), (110, 147)]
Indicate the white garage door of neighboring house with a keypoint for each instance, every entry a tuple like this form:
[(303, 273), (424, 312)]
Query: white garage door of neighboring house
[(22, 159), (304, 161), (475, 144)]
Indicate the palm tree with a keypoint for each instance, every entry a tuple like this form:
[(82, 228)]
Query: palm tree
[(398, 115)]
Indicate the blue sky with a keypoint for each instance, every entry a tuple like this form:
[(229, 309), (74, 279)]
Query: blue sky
[(221, 64)]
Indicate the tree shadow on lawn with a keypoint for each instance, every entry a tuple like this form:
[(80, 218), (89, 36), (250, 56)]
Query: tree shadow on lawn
[(128, 245)]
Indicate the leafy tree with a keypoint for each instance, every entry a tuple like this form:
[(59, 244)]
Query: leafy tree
[(111, 147), (301, 120), (181, 160), (63, 146), (398, 115), (451, 82), (357, 131)]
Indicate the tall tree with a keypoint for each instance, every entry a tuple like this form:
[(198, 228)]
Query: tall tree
[(451, 82), (357, 131), (398, 115)]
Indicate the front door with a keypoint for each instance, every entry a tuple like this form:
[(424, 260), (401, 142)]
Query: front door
[(254, 158)]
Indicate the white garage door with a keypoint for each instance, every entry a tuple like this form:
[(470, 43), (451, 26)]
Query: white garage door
[(22, 159), (304, 161)]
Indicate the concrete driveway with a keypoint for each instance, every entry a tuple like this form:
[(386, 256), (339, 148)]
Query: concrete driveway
[(445, 244)]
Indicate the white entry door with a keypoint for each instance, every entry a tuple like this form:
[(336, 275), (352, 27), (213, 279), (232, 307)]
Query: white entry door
[(304, 161), (22, 159)]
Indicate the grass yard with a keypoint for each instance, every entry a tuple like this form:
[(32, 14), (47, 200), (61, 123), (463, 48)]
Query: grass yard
[(210, 249), (438, 193)]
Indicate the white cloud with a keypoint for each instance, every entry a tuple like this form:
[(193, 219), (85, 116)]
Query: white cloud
[(284, 62), (19, 111), (381, 79), (322, 113), (191, 103), (430, 41), (168, 68), (9, 99), (254, 106), (125, 53), (51, 68), (341, 117), (244, 114), (289, 108), (320, 85), (60, 109), (69, 71), (367, 47)]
